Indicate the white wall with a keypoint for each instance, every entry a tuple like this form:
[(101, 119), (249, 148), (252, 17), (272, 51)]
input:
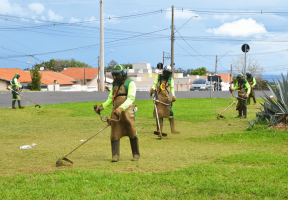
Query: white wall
[(141, 65)]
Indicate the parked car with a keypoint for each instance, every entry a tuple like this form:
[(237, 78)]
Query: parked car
[(216, 85), (200, 84)]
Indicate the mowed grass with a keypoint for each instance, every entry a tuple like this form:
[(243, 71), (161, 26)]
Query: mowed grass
[(210, 158)]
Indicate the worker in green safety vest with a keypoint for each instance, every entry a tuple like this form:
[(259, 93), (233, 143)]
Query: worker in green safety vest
[(244, 89), (252, 82), (122, 96), (16, 86), (164, 85)]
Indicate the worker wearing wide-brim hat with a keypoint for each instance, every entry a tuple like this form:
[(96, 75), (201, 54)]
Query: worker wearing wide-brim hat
[(244, 89), (122, 96)]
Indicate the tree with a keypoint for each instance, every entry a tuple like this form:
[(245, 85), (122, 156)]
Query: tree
[(128, 66), (59, 64), (252, 65), (36, 79), (110, 66), (199, 71)]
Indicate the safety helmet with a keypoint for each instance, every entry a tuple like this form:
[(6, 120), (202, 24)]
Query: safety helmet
[(167, 72), (248, 74), (17, 75), (119, 71), (239, 76)]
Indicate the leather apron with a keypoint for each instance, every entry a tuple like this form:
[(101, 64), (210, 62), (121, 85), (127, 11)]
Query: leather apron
[(252, 88), (126, 125), (163, 96), (241, 94)]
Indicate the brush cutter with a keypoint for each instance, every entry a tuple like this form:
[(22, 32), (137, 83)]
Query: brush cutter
[(155, 101), (24, 97), (220, 115), (64, 158)]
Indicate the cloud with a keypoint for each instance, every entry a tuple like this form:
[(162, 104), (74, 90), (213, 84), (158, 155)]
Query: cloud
[(242, 27), (179, 14), (73, 20), (7, 8), (54, 17), (37, 7)]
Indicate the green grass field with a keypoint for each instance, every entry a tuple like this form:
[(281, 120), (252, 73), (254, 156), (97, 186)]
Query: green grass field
[(209, 159)]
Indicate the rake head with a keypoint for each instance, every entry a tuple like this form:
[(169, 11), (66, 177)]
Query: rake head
[(61, 163), (38, 106), (220, 116)]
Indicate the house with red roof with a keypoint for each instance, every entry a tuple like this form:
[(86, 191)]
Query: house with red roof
[(91, 75), (7, 74), (47, 78)]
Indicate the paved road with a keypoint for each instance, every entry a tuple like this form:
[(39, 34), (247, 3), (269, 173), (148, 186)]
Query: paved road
[(71, 97)]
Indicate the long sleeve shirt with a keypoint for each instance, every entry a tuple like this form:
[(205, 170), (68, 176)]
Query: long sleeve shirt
[(16, 83), (246, 86), (171, 85), (131, 95)]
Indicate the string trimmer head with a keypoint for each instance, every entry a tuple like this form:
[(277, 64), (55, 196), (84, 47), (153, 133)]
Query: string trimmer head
[(220, 116), (60, 161)]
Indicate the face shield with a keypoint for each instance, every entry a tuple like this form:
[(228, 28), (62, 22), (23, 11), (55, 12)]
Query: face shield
[(239, 78), (117, 76), (18, 76), (248, 75), (167, 74)]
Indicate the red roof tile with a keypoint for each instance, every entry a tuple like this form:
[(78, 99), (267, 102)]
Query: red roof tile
[(78, 73), (8, 74), (48, 78)]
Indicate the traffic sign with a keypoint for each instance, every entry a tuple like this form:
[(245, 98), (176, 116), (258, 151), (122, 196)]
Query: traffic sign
[(247, 48)]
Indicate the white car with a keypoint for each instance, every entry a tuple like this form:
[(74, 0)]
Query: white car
[(200, 84)]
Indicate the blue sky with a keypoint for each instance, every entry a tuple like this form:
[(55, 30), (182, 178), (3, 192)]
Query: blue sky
[(139, 31)]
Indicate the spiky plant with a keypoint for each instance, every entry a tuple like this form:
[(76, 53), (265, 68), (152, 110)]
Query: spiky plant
[(276, 110)]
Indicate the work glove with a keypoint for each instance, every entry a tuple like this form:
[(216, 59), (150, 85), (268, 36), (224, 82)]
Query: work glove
[(118, 111), (174, 98), (21, 87), (152, 91), (246, 96), (109, 122), (98, 109), (231, 90)]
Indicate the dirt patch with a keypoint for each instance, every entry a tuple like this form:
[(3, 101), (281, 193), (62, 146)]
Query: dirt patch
[(280, 126)]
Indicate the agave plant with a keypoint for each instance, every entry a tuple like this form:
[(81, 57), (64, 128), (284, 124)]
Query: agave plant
[(276, 110)]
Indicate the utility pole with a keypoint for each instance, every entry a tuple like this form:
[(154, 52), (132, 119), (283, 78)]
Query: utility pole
[(98, 75), (84, 76), (101, 48), (216, 66), (172, 43), (231, 77), (163, 57)]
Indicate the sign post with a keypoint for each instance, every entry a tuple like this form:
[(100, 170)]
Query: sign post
[(245, 48)]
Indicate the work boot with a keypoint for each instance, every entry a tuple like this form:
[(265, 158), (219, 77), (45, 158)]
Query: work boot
[(13, 104), (240, 114), (254, 99), (115, 150), (19, 104), (158, 130), (172, 125), (135, 148), (248, 101), (244, 112)]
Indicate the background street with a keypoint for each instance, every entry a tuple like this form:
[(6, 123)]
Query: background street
[(71, 97)]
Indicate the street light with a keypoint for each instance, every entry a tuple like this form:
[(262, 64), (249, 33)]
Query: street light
[(108, 53)]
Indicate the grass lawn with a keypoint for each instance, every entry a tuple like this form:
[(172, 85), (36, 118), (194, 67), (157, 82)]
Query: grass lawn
[(210, 158)]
